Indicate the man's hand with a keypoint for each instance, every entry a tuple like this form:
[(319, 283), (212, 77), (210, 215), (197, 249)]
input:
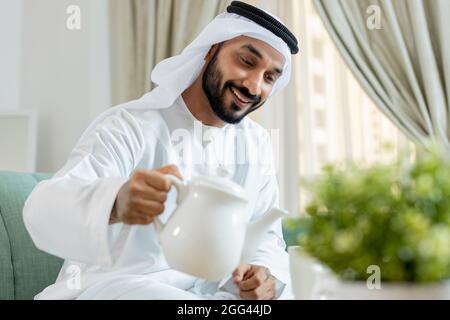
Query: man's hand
[(142, 198), (254, 282)]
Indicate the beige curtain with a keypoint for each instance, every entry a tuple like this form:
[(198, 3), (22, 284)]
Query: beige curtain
[(403, 63), (279, 115), (144, 32)]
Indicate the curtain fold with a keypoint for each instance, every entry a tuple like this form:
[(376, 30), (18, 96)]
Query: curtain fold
[(403, 65), (279, 116), (144, 32)]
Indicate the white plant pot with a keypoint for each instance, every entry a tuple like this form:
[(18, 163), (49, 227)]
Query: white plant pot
[(311, 280), (309, 277)]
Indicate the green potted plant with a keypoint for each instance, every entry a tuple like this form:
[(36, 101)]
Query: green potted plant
[(378, 232)]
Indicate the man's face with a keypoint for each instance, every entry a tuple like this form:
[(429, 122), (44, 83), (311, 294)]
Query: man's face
[(240, 76)]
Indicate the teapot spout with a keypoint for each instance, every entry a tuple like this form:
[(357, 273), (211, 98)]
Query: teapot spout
[(256, 230)]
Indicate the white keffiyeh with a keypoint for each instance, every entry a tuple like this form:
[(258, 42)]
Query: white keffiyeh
[(176, 74)]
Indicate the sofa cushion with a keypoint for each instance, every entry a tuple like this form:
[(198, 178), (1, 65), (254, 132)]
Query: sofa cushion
[(6, 268), (32, 269)]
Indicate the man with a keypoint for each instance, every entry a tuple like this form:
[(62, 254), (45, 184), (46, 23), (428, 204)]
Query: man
[(97, 212)]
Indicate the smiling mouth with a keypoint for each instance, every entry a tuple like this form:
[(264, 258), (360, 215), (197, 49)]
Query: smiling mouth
[(239, 99)]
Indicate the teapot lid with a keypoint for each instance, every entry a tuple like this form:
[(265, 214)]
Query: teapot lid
[(222, 181)]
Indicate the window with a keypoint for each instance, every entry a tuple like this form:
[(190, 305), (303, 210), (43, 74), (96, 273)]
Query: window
[(319, 84), (337, 122), (317, 48), (320, 118), (324, 116)]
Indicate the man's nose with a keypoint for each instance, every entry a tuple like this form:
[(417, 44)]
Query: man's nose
[(253, 83)]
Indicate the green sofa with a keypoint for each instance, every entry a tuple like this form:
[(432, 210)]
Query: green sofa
[(24, 269)]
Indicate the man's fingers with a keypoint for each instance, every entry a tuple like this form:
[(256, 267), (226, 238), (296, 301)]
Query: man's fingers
[(269, 295), (254, 281), (151, 193), (171, 169), (149, 207), (146, 193), (138, 218), (240, 271), (259, 285), (262, 292), (157, 178), (257, 293), (144, 213), (158, 181)]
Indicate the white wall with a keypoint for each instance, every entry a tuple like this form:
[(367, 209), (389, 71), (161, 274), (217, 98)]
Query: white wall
[(64, 74), (10, 32)]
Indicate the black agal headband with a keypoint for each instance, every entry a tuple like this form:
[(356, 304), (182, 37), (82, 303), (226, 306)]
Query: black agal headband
[(265, 20)]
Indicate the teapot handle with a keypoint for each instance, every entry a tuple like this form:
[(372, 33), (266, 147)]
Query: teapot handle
[(180, 186)]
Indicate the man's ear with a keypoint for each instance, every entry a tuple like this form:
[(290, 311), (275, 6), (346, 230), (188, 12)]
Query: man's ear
[(211, 51)]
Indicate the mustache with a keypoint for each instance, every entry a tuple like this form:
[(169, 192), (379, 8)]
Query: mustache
[(244, 92)]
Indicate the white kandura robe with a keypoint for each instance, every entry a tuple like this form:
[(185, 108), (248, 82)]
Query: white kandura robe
[(68, 215)]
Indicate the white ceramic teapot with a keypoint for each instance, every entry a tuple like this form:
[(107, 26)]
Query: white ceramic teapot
[(208, 235)]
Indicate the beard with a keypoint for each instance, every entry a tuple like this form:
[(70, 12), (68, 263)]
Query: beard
[(215, 92)]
